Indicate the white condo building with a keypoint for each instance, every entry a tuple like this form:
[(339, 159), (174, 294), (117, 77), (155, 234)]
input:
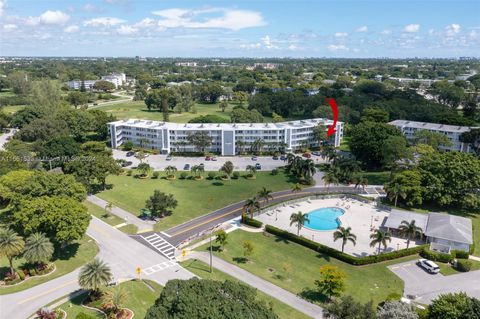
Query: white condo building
[(227, 139), (453, 132)]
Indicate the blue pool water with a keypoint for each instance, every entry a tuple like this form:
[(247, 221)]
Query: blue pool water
[(324, 218)]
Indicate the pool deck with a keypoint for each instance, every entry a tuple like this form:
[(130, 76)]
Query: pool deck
[(363, 218)]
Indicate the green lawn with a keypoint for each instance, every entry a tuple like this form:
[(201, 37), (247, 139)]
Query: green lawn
[(195, 198), (138, 109), (282, 310), (377, 178), (66, 261), (295, 268), (140, 298), (344, 145), (110, 219), (11, 109), (447, 269)]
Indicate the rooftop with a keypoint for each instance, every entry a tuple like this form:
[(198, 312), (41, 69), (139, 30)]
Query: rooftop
[(431, 126), (209, 126), (449, 227), (396, 217)]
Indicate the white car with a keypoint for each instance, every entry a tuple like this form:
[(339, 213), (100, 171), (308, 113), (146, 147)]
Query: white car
[(429, 266)]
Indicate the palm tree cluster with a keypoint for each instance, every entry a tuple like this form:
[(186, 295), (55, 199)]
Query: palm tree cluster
[(299, 219), (227, 168), (346, 235), (36, 249), (197, 170), (410, 230), (94, 275), (251, 205), (170, 171), (344, 170), (303, 169)]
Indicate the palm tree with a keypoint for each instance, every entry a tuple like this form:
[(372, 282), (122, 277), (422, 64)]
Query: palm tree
[(409, 230), (251, 205), (108, 209), (394, 191), (299, 219), (345, 234), (265, 194), (296, 188), (94, 275), (144, 168), (240, 145), (11, 245), (170, 170), (290, 160), (360, 181), (330, 178), (227, 168), (380, 237), (308, 169), (115, 298), (38, 249), (251, 169)]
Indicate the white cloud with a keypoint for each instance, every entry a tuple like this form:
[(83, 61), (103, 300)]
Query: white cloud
[(452, 29), (71, 29), (127, 30), (103, 22), (386, 32), (293, 47), (341, 34), (145, 23), (88, 7), (2, 6), (362, 29), (231, 19), (337, 47), (267, 43), (49, 18), (412, 28), (10, 27)]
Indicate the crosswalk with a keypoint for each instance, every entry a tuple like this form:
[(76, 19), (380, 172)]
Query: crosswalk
[(161, 245), (159, 267)]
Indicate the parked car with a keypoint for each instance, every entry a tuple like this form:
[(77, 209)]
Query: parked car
[(283, 158), (258, 166), (208, 157), (307, 155), (186, 167), (130, 154), (125, 164), (317, 153), (429, 266), (254, 158), (214, 158), (169, 157), (275, 157)]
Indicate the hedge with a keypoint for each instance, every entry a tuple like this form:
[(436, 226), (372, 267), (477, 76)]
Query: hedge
[(436, 256), (460, 254), (463, 265), (251, 222), (357, 261)]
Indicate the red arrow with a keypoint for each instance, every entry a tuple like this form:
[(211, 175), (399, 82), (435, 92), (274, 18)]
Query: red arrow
[(333, 105)]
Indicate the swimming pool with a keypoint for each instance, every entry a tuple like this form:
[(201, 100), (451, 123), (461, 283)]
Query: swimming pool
[(324, 218)]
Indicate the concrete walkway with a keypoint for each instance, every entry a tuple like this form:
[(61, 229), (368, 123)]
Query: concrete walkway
[(142, 225), (270, 289)]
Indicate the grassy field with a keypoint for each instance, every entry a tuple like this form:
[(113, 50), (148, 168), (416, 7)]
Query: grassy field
[(66, 261), (447, 269), (110, 219), (377, 178), (195, 198), (295, 268), (11, 109), (140, 299), (282, 310)]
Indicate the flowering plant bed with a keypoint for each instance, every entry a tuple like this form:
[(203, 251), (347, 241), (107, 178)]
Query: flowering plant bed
[(26, 273)]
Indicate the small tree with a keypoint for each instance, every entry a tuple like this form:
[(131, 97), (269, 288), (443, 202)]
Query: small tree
[(94, 275), (331, 282), (409, 230), (221, 238), (227, 168), (380, 238), (108, 209), (38, 249), (144, 169), (104, 86), (251, 169), (247, 248), (11, 245), (299, 219), (159, 204), (347, 307), (170, 171), (223, 105), (201, 140), (265, 194), (345, 234), (396, 310), (115, 299), (251, 205), (297, 188), (127, 145)]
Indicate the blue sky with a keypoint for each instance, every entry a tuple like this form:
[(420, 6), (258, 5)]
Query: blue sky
[(261, 28)]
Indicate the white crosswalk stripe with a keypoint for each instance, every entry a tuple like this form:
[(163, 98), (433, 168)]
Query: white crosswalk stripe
[(161, 245), (159, 267)]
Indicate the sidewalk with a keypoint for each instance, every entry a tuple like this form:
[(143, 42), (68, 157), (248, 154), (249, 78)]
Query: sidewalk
[(270, 289), (142, 225)]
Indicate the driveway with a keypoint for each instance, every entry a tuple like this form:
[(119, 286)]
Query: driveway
[(159, 162), (427, 287), (4, 137)]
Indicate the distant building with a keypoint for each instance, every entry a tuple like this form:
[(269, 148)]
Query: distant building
[(189, 64), (266, 66), (227, 139), (77, 84), (453, 132), (117, 79)]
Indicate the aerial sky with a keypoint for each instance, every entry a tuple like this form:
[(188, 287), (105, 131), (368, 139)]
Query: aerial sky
[(273, 28)]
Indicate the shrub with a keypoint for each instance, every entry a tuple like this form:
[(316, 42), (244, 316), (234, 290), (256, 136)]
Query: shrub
[(251, 222), (129, 172), (32, 272), (460, 254), (235, 175), (275, 171), (436, 256), (183, 175), (127, 146), (211, 175), (357, 261), (21, 275), (83, 315), (463, 265), (156, 174)]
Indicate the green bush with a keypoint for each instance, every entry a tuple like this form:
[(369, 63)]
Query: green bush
[(21, 274), (183, 175), (251, 222), (156, 174), (32, 272), (357, 261), (235, 175), (211, 175), (460, 254), (275, 171), (83, 315), (129, 172), (463, 265), (127, 146), (435, 256)]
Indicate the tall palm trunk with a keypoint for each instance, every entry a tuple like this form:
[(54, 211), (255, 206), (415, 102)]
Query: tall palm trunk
[(396, 197), (343, 244), (379, 245), (10, 260)]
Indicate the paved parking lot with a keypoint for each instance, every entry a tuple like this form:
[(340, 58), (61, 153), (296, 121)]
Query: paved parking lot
[(159, 162), (427, 287)]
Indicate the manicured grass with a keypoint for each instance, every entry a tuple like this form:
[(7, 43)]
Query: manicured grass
[(282, 310), (72, 257), (138, 109), (377, 178), (111, 219), (11, 109), (140, 299), (344, 145), (476, 232), (195, 198), (295, 268), (447, 269)]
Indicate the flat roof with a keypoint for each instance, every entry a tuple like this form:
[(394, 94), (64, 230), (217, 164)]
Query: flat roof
[(431, 126), (209, 126)]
